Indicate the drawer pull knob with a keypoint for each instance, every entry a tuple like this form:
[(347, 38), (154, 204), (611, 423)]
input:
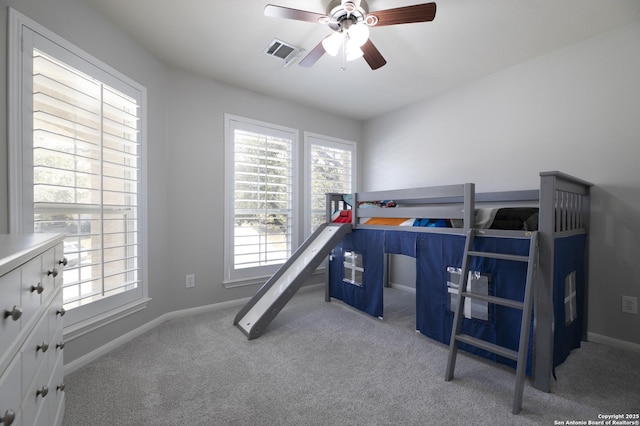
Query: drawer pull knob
[(53, 272), (63, 262), (61, 312), (60, 387), (15, 313), (38, 288), (42, 392), (8, 418), (60, 345), (43, 347)]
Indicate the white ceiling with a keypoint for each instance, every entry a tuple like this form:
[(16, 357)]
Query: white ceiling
[(468, 39)]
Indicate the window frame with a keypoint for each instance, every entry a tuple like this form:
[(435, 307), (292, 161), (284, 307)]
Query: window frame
[(238, 277), (310, 139), (95, 314)]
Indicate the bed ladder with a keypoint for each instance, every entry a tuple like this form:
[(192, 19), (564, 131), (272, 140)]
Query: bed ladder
[(525, 306)]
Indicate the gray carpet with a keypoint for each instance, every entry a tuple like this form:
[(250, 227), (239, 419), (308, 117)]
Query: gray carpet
[(324, 363)]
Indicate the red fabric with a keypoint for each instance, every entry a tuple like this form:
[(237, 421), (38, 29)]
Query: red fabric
[(344, 216)]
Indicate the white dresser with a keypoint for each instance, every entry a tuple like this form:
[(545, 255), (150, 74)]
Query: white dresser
[(31, 342)]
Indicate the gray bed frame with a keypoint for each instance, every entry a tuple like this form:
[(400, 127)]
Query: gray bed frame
[(563, 203)]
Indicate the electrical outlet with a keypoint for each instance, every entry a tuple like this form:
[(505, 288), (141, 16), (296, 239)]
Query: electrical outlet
[(630, 304), (191, 280)]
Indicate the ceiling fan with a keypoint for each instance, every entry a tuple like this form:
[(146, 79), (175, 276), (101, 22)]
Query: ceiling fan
[(350, 21)]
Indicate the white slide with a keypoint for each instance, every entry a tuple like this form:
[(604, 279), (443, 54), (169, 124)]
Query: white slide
[(280, 288)]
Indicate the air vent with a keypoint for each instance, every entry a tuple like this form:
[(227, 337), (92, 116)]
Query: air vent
[(284, 51)]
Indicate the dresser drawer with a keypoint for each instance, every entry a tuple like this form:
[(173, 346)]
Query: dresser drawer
[(34, 352), (55, 313), (60, 261), (10, 309), (51, 272), (57, 388), (35, 406), (57, 346), (32, 290), (11, 391), (53, 263)]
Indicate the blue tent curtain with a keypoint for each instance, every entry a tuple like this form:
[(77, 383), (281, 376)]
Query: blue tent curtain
[(368, 297), (400, 242), (435, 253), (569, 256)]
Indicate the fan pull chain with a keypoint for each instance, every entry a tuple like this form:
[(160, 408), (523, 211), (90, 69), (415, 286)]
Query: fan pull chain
[(344, 51)]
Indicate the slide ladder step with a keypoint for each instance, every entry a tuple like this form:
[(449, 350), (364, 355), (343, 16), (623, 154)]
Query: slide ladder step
[(515, 304), (488, 346), (503, 256)]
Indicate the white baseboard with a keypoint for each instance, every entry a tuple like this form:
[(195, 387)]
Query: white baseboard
[(610, 341), (108, 347), (403, 287)]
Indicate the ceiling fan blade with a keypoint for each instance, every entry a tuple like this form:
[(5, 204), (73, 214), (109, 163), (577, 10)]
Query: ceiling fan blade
[(372, 55), (313, 56), (288, 13), (405, 15)]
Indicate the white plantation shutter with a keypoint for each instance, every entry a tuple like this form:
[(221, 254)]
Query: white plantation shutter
[(82, 172), (85, 176), (331, 168), (261, 188)]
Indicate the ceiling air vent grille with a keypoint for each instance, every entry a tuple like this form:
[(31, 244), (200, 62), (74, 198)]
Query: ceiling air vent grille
[(284, 51)]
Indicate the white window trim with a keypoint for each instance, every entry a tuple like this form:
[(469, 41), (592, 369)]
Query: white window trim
[(16, 154), (234, 278), (330, 142)]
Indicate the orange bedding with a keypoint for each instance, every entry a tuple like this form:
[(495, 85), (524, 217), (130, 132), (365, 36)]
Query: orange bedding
[(390, 221)]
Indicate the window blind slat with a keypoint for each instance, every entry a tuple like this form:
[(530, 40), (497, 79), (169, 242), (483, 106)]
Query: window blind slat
[(45, 103), (57, 124), (54, 88), (75, 80)]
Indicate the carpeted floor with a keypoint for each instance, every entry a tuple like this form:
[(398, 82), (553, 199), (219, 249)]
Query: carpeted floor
[(324, 363)]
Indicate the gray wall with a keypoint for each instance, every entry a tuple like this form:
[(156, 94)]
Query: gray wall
[(195, 188), (185, 161), (576, 110)]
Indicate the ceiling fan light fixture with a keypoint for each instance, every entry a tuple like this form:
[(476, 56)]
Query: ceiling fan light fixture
[(333, 43), (359, 34), (353, 52)]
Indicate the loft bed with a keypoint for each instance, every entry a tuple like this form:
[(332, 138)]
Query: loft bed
[(430, 225)]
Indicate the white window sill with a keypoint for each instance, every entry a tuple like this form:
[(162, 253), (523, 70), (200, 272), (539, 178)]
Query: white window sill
[(91, 324), (261, 280), (245, 282)]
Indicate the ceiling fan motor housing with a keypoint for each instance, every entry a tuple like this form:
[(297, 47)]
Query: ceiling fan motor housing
[(342, 15)]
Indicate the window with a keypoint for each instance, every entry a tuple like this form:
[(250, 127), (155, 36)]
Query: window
[(476, 283), (262, 194), (261, 231), (79, 145), (570, 310), (331, 167), (353, 268)]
